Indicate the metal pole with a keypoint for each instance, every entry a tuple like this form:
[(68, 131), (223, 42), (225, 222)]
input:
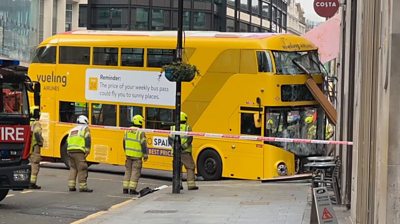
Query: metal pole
[(176, 172)]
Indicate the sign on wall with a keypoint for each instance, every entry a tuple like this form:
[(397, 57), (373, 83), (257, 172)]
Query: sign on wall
[(326, 8)]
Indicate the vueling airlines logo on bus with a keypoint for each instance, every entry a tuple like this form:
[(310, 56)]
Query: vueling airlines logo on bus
[(52, 82)]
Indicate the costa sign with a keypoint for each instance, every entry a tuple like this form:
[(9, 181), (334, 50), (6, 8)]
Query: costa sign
[(326, 8)]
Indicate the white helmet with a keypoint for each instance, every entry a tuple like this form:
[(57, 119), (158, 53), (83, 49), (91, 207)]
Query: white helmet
[(82, 119)]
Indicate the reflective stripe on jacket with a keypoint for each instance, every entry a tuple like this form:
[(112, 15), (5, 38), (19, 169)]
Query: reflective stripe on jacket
[(184, 138), (133, 143), (76, 139)]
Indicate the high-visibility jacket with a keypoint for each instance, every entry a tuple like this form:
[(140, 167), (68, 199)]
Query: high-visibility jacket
[(184, 138), (133, 140), (76, 138), (37, 138)]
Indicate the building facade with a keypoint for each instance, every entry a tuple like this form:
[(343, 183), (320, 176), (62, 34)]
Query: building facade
[(216, 15), (24, 24), (296, 22)]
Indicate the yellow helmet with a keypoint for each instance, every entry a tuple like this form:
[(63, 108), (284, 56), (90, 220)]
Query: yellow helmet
[(138, 120), (309, 119), (184, 117), (33, 108), (270, 122)]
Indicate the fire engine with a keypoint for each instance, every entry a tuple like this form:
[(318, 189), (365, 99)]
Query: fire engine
[(15, 131)]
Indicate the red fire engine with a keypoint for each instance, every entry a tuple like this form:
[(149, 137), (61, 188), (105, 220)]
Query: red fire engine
[(15, 131)]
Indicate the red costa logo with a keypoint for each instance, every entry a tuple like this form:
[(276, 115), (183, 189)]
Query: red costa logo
[(326, 8)]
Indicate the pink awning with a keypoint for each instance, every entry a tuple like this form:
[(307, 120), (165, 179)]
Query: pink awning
[(326, 36)]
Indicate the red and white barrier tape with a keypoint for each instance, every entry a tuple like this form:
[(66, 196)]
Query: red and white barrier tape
[(237, 137)]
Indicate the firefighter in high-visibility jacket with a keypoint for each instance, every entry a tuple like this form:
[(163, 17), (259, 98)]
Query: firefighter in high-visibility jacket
[(135, 148), (79, 143), (186, 154), (36, 144), (311, 127)]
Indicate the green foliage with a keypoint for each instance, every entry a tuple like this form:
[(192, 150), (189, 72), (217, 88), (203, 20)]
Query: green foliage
[(180, 72)]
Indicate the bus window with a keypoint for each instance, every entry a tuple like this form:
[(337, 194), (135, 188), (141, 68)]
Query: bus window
[(104, 114), (264, 61), (46, 55), (75, 55), (292, 122), (105, 56), (70, 111), (159, 57), (284, 62), (291, 93), (158, 118), (126, 113), (247, 125), (132, 57)]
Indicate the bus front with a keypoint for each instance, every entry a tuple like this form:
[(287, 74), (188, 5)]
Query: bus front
[(292, 112)]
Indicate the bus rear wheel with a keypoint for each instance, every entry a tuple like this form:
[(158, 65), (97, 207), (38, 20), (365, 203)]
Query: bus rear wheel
[(3, 193), (209, 165)]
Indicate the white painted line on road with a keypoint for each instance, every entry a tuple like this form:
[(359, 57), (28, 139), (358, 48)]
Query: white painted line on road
[(97, 214), (116, 196), (25, 192), (10, 195)]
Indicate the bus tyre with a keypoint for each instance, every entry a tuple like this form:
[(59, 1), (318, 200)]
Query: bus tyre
[(64, 155), (3, 193), (209, 165)]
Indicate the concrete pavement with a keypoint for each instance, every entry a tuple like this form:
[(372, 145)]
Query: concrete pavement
[(216, 202)]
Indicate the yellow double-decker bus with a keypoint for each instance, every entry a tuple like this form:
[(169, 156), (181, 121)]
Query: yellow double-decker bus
[(249, 84)]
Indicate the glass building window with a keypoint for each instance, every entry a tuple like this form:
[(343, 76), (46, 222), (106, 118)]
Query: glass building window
[(160, 19), (110, 18), (132, 57), (255, 7), (75, 55), (140, 19), (243, 27), (230, 25), (68, 17), (82, 16), (244, 4), (231, 2), (105, 56), (140, 2), (162, 3), (202, 4), (201, 21), (186, 20), (265, 10), (159, 57)]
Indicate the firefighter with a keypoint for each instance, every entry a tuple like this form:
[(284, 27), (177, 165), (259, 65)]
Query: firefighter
[(186, 147), (36, 144), (79, 143), (311, 127), (135, 148)]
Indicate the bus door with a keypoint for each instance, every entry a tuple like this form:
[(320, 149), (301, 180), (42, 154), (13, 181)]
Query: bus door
[(247, 156), (43, 69)]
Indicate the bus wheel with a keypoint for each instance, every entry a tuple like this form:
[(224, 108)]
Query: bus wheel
[(209, 165), (64, 154), (3, 193)]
